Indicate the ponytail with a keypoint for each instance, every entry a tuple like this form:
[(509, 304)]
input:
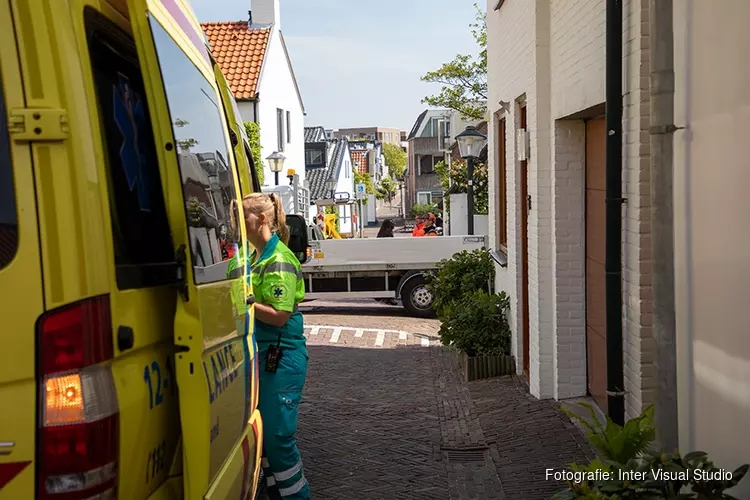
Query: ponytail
[(279, 226), (270, 205)]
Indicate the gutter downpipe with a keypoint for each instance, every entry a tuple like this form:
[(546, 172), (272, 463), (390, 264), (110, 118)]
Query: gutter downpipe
[(691, 404), (614, 202), (662, 79)]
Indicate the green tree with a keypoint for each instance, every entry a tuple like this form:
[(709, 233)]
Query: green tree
[(252, 130), (188, 142), (464, 79), (422, 209), (386, 189), (395, 159), (454, 179)]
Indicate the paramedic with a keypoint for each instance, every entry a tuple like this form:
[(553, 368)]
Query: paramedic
[(278, 287)]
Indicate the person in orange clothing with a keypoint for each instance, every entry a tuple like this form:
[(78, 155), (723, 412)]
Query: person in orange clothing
[(419, 228), (430, 229)]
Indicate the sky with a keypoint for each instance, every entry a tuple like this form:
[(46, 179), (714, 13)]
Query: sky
[(358, 64)]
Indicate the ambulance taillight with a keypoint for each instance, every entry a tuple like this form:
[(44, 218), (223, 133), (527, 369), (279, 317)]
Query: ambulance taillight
[(78, 417)]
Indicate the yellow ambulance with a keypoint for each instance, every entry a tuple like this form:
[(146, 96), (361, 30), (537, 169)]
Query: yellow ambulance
[(127, 362)]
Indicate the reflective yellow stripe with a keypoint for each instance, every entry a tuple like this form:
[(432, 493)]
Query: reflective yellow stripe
[(277, 267)]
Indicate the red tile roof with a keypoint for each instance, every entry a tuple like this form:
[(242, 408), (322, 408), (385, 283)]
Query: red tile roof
[(239, 51), (361, 157)]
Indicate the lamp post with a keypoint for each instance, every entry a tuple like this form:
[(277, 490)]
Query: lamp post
[(331, 185), (276, 164), (471, 142)]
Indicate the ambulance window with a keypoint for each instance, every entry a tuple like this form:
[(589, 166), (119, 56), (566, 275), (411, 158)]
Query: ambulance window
[(208, 180), (144, 253), (253, 171), (8, 217)]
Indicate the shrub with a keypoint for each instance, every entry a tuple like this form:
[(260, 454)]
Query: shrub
[(476, 324), (627, 449), (422, 208), (252, 130), (462, 274)]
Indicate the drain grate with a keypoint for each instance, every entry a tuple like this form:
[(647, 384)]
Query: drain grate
[(465, 455)]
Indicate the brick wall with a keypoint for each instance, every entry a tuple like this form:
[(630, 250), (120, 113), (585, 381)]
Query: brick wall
[(552, 54), (569, 272), (510, 53), (640, 349), (577, 55)]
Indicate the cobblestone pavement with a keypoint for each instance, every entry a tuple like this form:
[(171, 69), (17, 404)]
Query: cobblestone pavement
[(386, 415)]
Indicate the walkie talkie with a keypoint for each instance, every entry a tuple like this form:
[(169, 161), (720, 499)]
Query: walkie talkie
[(273, 356)]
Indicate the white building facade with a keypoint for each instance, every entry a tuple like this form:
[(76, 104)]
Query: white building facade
[(546, 61), (711, 236), (254, 58), (278, 108)]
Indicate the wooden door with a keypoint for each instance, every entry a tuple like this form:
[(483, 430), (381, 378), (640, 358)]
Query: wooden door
[(525, 207), (596, 326)]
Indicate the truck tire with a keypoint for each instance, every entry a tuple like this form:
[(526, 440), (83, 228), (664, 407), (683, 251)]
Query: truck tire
[(416, 298)]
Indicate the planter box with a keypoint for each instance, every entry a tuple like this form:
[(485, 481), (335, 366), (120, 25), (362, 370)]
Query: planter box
[(479, 367)]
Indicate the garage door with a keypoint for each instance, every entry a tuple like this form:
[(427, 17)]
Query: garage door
[(596, 327)]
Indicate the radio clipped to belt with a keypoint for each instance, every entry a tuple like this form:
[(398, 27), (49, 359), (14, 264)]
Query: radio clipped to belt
[(273, 356)]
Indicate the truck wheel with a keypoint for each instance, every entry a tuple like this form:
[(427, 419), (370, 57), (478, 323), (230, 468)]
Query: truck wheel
[(416, 298)]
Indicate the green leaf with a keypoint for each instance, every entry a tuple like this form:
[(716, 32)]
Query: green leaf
[(395, 159), (564, 495), (464, 79), (252, 130)]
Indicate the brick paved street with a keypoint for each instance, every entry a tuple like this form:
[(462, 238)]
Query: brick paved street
[(386, 415)]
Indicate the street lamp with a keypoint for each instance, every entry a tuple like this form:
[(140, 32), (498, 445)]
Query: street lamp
[(471, 142), (331, 185), (276, 163)]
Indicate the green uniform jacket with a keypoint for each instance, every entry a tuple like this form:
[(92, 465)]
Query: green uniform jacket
[(277, 282)]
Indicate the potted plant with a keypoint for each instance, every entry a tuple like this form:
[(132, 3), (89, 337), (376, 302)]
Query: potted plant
[(477, 326), (473, 318)]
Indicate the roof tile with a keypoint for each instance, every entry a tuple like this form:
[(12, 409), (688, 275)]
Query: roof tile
[(239, 51)]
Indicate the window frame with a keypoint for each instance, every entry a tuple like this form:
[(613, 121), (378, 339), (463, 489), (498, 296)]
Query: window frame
[(424, 193), (141, 275), (502, 183), (288, 127), (222, 123), (253, 169), (280, 130), (309, 160)]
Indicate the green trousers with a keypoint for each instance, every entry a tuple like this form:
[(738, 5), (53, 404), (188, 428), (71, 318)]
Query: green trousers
[(280, 395)]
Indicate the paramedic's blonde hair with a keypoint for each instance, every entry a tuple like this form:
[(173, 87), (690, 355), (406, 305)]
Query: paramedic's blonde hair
[(270, 205)]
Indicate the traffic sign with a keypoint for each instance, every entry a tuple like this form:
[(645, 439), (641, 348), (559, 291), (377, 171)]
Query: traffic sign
[(361, 192)]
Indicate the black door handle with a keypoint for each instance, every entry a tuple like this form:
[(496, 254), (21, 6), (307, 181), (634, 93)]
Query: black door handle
[(125, 338), (250, 299)]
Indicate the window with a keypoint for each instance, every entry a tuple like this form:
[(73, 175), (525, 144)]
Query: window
[(144, 252), (280, 129), (208, 182), (8, 216), (314, 157), (424, 198), (347, 169), (288, 127), (502, 202), (253, 167)]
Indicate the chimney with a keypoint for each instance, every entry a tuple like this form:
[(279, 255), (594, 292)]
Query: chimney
[(265, 13)]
